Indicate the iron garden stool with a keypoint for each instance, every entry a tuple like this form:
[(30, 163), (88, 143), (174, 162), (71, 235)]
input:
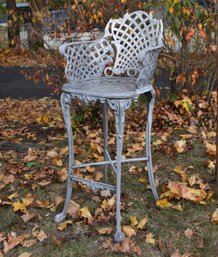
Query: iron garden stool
[(115, 70)]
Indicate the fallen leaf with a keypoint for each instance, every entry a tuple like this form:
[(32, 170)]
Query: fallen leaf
[(124, 247), (143, 222), (105, 193), (52, 154), (29, 243), (189, 233), (177, 207), (55, 241), (105, 231), (149, 239), (180, 145), (163, 203), (12, 241), (40, 235), (73, 208), (59, 162), (29, 216), (181, 171), (128, 231), (84, 212), (18, 206), (64, 224), (58, 200), (133, 221), (90, 169), (211, 134), (98, 176), (214, 218), (211, 149)]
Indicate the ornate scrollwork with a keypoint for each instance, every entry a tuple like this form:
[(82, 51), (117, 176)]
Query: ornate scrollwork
[(130, 36)]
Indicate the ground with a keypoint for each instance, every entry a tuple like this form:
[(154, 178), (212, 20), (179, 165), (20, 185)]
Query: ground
[(33, 167)]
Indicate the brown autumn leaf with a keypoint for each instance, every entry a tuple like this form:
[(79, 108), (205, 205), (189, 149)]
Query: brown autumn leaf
[(28, 243), (13, 240), (181, 171), (177, 207), (5, 180), (90, 169), (124, 247), (149, 239), (189, 35), (39, 233), (210, 148), (52, 154), (180, 145), (128, 231), (180, 79), (73, 208), (105, 231), (29, 216), (98, 176), (181, 190), (188, 233), (55, 241), (214, 218), (105, 193), (63, 225), (58, 200)]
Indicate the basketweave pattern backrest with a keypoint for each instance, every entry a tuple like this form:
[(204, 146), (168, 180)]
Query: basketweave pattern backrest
[(131, 35), (118, 51)]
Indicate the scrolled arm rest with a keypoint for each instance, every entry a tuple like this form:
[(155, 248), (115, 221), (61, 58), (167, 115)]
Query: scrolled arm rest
[(86, 59), (148, 60), (150, 50)]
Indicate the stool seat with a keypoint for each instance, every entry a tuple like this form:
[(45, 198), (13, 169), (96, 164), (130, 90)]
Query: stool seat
[(104, 87)]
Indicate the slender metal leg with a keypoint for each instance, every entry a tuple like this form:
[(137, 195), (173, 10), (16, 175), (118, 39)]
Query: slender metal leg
[(119, 107), (105, 124), (65, 103), (150, 106)]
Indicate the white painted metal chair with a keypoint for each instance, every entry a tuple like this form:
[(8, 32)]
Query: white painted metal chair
[(114, 70)]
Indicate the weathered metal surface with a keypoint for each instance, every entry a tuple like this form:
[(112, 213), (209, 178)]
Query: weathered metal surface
[(114, 70)]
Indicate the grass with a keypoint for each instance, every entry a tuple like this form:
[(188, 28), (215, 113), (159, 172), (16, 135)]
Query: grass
[(168, 225)]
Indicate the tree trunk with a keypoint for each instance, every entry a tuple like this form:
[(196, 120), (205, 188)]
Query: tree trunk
[(36, 38), (13, 24), (217, 134)]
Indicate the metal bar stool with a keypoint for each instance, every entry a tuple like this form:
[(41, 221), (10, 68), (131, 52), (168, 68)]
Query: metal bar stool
[(114, 70)]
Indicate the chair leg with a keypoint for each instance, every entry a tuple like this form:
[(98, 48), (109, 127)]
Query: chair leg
[(150, 106), (105, 124), (119, 107), (65, 103)]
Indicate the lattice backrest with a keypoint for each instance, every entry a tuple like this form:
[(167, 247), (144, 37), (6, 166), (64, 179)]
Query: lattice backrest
[(123, 49), (131, 35)]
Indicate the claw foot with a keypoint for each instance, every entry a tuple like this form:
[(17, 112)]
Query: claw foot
[(60, 217), (119, 237)]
